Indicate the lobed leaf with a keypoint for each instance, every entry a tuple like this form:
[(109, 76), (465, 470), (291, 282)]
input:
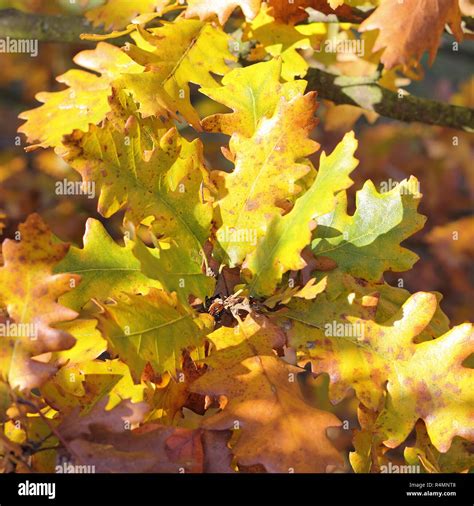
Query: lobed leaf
[(277, 428), (152, 329), (83, 103), (280, 249), (425, 380), (368, 243), (175, 55), (29, 293), (267, 168), (106, 269), (407, 29)]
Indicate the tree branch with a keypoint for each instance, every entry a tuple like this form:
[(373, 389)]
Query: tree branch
[(366, 93), (44, 28)]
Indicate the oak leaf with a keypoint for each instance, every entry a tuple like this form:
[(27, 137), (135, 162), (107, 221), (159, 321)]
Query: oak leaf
[(279, 39), (116, 14), (424, 380), (252, 93), (153, 328), (277, 428), (175, 55), (30, 292), (344, 296), (106, 269), (368, 243), (83, 103), (157, 176), (82, 384), (268, 166), (280, 249), (407, 29)]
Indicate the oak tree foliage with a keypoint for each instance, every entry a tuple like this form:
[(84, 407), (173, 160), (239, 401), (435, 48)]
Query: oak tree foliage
[(184, 345)]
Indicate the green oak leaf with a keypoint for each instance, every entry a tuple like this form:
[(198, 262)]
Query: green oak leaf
[(106, 269), (175, 271), (153, 329), (156, 175), (368, 243)]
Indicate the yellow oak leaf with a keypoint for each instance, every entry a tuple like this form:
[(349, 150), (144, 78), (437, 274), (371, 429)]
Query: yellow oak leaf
[(83, 103), (29, 291), (82, 383), (252, 93), (279, 251), (89, 342), (174, 55), (268, 166), (424, 380), (282, 40)]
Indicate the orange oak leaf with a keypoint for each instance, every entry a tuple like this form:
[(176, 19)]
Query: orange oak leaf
[(277, 428), (107, 441), (409, 28)]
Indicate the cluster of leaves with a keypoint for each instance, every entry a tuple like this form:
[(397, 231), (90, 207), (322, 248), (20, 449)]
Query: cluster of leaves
[(183, 348)]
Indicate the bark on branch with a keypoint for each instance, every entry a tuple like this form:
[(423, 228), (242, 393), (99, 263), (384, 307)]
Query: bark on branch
[(366, 93), (44, 28)]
